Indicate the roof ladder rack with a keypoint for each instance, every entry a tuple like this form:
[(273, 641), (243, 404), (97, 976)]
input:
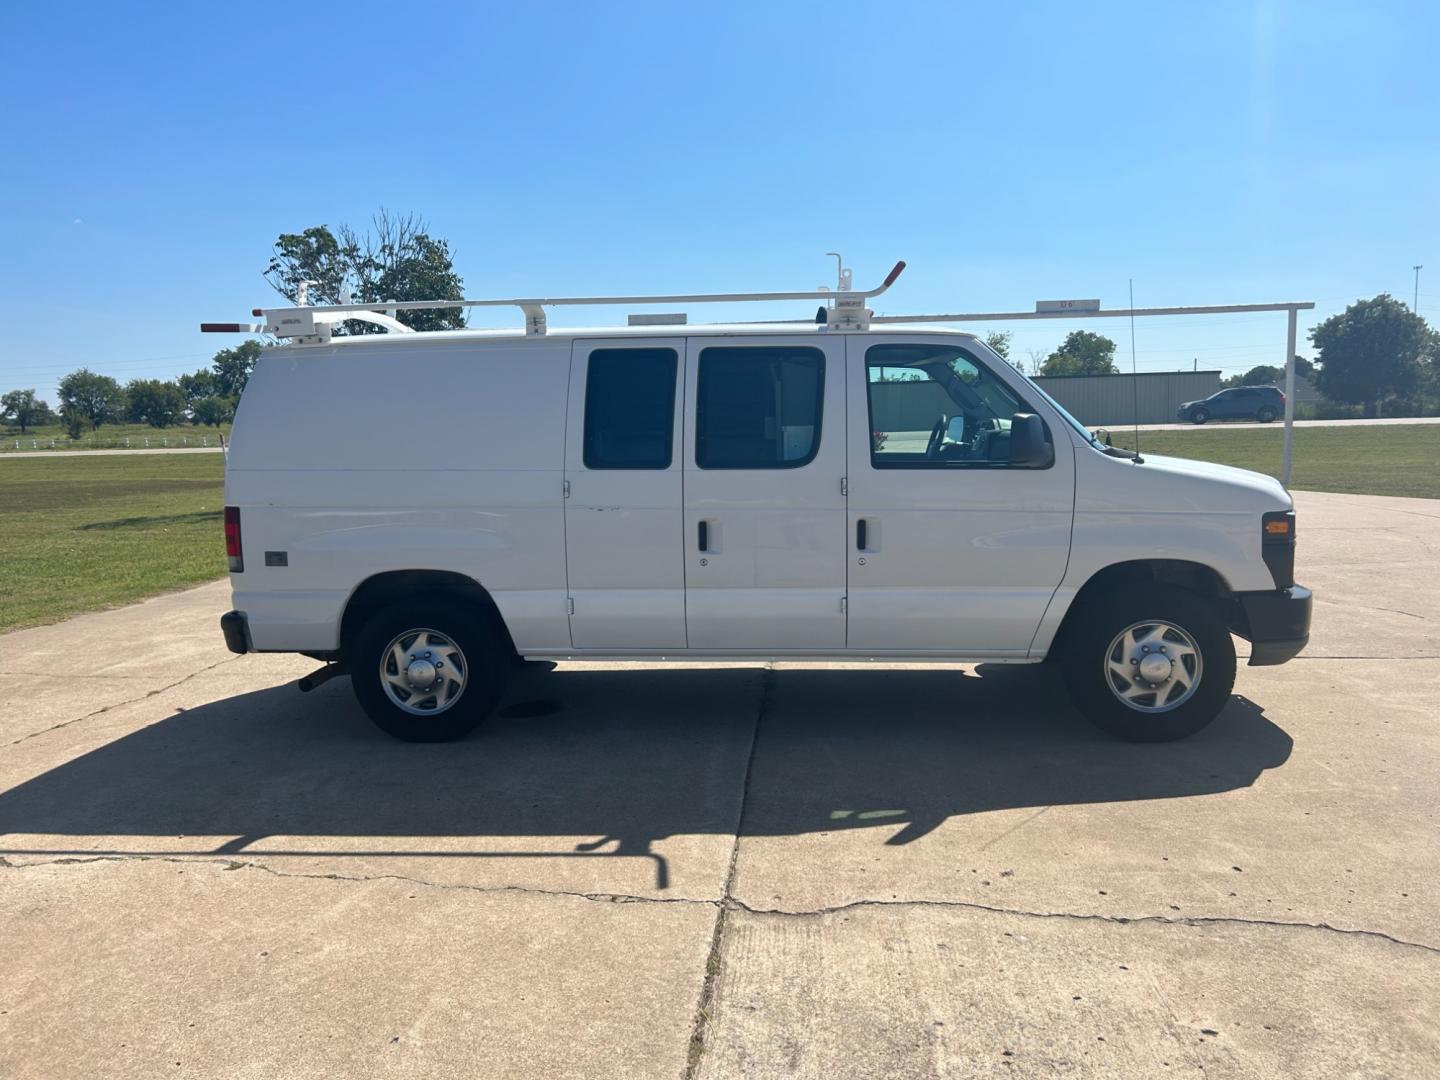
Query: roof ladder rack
[(309, 324)]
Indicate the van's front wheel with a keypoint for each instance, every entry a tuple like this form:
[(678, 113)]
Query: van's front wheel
[(427, 672), (1150, 667)]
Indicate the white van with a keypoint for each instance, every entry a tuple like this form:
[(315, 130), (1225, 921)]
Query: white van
[(423, 510)]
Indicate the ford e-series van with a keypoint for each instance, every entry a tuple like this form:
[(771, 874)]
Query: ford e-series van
[(421, 510)]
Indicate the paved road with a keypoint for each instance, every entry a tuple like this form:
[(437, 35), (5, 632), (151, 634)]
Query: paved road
[(1228, 425), (728, 870)]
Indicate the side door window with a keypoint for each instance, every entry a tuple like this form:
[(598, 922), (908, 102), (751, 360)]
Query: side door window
[(758, 407), (933, 407), (630, 408)]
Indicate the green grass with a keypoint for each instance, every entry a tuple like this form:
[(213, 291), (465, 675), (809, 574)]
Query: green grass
[(1370, 459), (109, 437), (88, 532)]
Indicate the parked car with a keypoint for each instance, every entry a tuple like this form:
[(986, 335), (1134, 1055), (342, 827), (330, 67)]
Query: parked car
[(1262, 403), (423, 510)]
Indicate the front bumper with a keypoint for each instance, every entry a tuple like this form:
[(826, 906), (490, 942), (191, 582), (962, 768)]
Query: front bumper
[(236, 628), (1276, 623)]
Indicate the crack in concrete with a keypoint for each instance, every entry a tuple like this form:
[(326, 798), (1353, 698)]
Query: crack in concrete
[(238, 864), (122, 704), (695, 1051), (1370, 607), (1118, 920), (728, 902)]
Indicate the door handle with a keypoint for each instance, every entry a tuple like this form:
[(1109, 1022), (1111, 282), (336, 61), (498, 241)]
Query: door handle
[(860, 534), (704, 536)]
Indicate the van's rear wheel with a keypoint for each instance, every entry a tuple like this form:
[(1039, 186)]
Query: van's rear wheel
[(1266, 414), (428, 671), (1152, 666)]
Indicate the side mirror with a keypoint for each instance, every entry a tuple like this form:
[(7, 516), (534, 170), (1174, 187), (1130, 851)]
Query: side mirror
[(1029, 446)]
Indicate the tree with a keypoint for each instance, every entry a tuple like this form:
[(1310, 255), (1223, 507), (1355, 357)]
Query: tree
[(201, 384), (151, 401), (212, 410), (232, 369), (89, 399), (24, 409), (1270, 375), (1375, 350), (1082, 353), (397, 260), (999, 341)]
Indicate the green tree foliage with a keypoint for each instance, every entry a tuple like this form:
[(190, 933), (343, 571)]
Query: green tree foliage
[(88, 399), (1270, 374), (201, 384), (397, 259), (25, 410), (212, 411), (999, 340), (232, 368), (1373, 351), (151, 401), (1082, 353)]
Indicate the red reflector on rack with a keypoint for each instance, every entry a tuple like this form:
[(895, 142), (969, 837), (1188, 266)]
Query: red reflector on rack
[(221, 328)]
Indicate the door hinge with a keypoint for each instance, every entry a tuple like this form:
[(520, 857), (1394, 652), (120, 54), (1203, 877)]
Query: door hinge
[(844, 603), (565, 489), (844, 486), (570, 605)]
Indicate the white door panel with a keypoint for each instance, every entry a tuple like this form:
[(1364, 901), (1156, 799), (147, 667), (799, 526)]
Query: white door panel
[(623, 540), (957, 559), (772, 575)]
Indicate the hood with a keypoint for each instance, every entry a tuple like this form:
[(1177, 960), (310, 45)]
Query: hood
[(1262, 488)]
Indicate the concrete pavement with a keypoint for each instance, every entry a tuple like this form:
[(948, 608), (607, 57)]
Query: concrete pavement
[(728, 870)]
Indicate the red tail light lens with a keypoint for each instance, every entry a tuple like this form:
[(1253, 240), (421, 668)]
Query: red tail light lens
[(233, 548)]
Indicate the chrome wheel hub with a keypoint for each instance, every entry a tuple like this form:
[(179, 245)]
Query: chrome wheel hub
[(1153, 666), (423, 672)]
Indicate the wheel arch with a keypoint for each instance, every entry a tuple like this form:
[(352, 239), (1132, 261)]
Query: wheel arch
[(392, 586), (1194, 577)]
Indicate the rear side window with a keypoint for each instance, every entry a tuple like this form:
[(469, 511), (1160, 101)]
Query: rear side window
[(758, 407), (630, 408)]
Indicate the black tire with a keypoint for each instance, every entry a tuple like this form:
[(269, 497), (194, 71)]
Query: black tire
[(1265, 415), (1199, 416), (1097, 625), (487, 664)]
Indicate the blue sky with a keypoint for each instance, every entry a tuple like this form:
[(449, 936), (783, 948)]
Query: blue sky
[(1215, 153)]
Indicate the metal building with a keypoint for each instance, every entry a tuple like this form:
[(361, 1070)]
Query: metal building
[(1113, 400)]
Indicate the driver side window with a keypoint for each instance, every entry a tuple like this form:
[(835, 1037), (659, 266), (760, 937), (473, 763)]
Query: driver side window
[(933, 406)]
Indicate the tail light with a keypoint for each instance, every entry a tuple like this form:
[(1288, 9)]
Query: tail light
[(233, 547)]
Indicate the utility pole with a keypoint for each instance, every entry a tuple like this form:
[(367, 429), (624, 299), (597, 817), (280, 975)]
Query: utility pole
[(1415, 306)]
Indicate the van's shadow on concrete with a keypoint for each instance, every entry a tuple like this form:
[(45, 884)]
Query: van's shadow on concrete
[(628, 758)]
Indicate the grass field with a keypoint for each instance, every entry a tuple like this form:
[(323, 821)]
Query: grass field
[(88, 532), (1399, 459), (110, 437)]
